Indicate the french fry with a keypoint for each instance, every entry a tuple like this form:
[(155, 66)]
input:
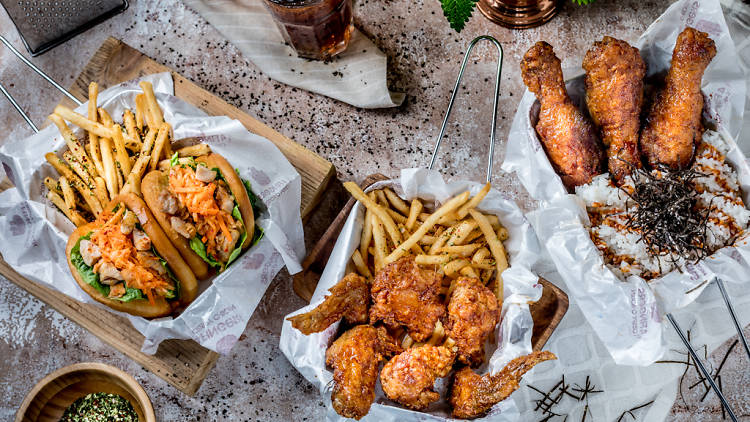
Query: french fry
[(72, 214), (106, 120), (121, 155), (88, 125), (468, 271), (398, 218), (155, 116), (381, 246), (433, 259), (449, 343), (52, 185), (427, 240), (75, 181), (407, 342), (437, 335), (110, 171), (381, 198), (496, 247), (194, 150), (462, 232), (480, 255), (366, 237), (452, 268), (93, 145), (74, 145), (78, 168), (414, 210), (67, 191), (134, 178), (166, 164), (441, 240), (161, 139), (473, 202), (360, 264), (502, 234), (448, 207), (140, 111), (377, 210), (148, 142), (100, 189), (396, 202), (131, 128), (462, 250)]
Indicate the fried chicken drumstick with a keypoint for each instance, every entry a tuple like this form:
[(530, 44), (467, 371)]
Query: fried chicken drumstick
[(473, 312), (614, 96), (567, 135), (673, 126), (409, 377), (355, 359), (473, 395), (348, 299), (405, 294)]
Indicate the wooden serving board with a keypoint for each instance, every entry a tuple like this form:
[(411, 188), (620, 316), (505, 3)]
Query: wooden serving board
[(547, 312), (182, 363)]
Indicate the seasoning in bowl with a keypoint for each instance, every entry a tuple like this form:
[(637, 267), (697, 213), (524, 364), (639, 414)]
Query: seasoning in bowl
[(100, 407)]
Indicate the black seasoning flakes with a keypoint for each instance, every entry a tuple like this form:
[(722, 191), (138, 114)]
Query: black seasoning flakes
[(100, 407)]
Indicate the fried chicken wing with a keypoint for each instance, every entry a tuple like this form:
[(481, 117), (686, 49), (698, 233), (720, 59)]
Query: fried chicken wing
[(614, 96), (567, 135), (473, 395), (473, 312), (355, 359), (409, 378), (348, 299), (388, 341), (405, 294), (674, 122)]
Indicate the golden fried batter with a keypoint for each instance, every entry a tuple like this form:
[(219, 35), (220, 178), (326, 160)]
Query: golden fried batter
[(348, 299), (567, 135), (473, 312), (673, 126), (388, 341), (409, 377), (405, 294), (473, 395), (355, 359), (614, 96)]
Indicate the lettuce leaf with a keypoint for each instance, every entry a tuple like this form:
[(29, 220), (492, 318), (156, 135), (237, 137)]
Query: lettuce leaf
[(130, 294), (86, 272), (200, 248)]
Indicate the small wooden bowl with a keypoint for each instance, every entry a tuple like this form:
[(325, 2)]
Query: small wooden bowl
[(49, 398)]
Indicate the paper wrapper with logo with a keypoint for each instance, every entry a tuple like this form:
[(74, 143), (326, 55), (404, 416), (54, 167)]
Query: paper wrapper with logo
[(628, 314), (513, 334), (33, 232)]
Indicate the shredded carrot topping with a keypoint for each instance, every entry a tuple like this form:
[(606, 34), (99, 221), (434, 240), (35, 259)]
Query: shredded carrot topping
[(118, 249), (198, 198)]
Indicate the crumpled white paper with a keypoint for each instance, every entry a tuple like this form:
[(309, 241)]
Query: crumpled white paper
[(33, 233), (627, 315), (307, 353)]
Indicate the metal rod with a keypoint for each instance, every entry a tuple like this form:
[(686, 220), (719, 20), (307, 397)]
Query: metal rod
[(494, 104), (18, 107), (702, 368), (39, 71), (730, 308)]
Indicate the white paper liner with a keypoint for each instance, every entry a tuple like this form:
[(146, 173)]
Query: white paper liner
[(628, 315), (33, 233), (307, 353)]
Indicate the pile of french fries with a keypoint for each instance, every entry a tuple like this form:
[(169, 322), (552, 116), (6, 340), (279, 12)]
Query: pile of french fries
[(112, 159), (455, 240)]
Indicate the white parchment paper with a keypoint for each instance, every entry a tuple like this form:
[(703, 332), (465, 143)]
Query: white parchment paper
[(33, 233), (627, 314), (307, 353)]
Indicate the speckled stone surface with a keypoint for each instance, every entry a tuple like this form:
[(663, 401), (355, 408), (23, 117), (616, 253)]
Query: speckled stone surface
[(255, 382)]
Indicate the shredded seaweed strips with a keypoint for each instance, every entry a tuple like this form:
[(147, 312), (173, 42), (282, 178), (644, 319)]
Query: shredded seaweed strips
[(666, 213)]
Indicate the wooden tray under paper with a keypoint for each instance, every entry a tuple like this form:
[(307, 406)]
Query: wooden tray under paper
[(182, 363)]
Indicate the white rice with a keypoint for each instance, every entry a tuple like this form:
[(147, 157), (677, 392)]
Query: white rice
[(622, 248)]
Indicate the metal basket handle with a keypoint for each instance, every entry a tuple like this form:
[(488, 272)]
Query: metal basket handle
[(42, 74), (494, 104)]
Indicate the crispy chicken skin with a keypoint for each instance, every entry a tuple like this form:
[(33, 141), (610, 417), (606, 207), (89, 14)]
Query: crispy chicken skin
[(405, 294), (355, 359), (389, 344), (473, 312), (348, 299), (473, 395), (567, 135), (614, 96), (409, 377), (673, 126)]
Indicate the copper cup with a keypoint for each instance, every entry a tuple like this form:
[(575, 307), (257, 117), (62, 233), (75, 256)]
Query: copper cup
[(519, 14)]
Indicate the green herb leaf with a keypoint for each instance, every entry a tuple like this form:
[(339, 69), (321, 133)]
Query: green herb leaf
[(198, 247), (458, 12), (174, 160), (583, 2)]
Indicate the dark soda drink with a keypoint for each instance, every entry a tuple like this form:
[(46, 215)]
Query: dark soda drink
[(316, 29)]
